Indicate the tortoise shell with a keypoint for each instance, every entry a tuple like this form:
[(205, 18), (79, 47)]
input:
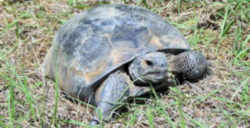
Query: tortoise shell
[(100, 40)]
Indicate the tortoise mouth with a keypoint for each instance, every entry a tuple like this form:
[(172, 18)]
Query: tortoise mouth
[(155, 76), (155, 71)]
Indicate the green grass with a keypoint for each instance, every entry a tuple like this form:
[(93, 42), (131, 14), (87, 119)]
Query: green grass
[(220, 100)]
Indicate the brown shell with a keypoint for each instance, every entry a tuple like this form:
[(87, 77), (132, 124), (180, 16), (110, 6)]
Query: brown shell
[(98, 41)]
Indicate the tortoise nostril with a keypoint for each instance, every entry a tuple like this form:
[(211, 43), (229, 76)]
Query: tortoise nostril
[(149, 63)]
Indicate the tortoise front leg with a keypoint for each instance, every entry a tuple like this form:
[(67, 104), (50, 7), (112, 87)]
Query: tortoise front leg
[(192, 65), (110, 95)]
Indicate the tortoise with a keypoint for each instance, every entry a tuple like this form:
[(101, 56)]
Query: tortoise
[(111, 52)]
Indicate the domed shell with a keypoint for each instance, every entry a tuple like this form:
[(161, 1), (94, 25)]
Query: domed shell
[(98, 41)]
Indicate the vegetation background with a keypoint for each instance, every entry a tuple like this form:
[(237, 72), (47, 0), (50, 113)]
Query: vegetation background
[(220, 29)]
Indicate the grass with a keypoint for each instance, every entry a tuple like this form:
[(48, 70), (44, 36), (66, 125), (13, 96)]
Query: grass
[(219, 29)]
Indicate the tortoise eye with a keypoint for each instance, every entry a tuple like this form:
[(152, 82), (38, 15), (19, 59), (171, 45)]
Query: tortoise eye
[(149, 63)]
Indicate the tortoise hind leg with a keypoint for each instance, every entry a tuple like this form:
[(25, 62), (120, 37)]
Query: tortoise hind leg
[(46, 67), (110, 95)]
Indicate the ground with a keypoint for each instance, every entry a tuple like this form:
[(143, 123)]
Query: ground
[(219, 29)]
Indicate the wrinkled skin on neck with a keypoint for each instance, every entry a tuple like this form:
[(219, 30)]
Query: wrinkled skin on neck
[(154, 68)]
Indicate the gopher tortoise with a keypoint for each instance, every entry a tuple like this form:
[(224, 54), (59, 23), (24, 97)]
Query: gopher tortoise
[(111, 52)]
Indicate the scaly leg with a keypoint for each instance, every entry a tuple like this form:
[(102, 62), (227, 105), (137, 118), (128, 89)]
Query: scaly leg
[(113, 91)]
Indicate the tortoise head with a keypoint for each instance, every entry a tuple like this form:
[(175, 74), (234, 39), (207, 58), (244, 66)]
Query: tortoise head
[(149, 68)]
